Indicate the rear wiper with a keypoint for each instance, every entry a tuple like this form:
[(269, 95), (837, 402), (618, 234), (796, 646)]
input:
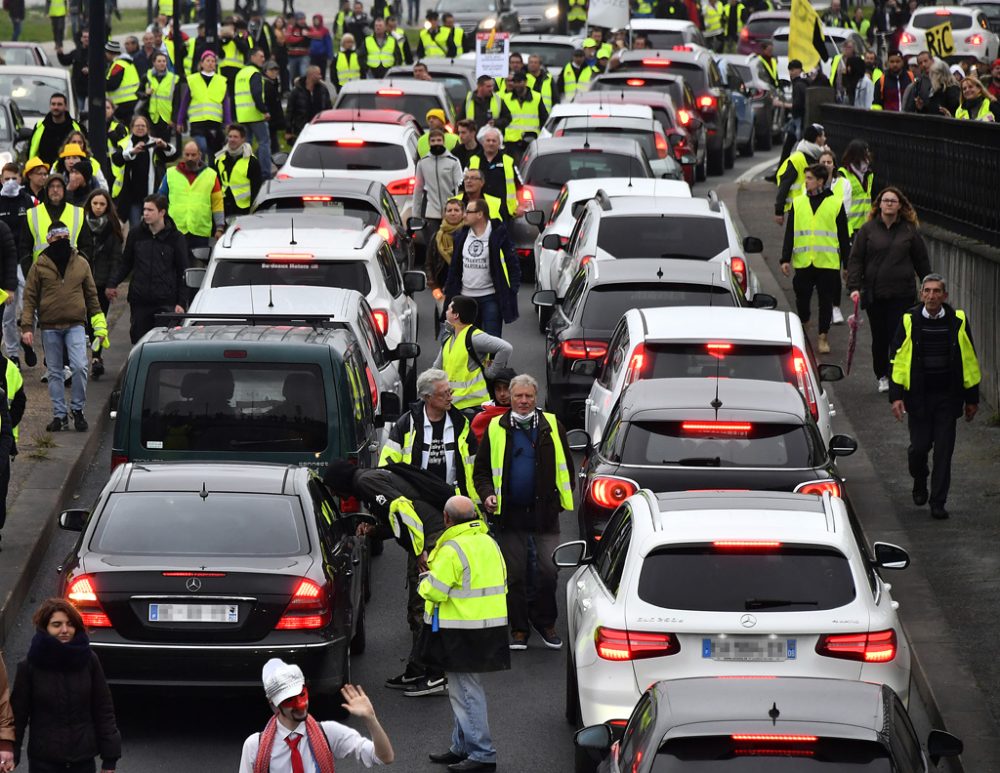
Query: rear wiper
[(362, 167), (681, 256), (768, 603), (697, 461)]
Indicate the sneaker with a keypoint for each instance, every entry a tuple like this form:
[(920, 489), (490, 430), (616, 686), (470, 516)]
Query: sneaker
[(96, 368), (838, 317), (30, 358), (79, 422), (427, 686), (824, 344), (406, 679), (549, 636), (883, 384), (58, 424), (519, 641)]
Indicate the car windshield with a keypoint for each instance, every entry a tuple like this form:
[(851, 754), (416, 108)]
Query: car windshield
[(694, 74), (719, 359), (959, 21), (466, 6), (416, 105), (785, 578), (721, 754), (234, 406), (554, 56), (553, 170), (781, 46), (358, 210), (708, 444), (349, 274), (191, 524), (653, 236), (32, 92), (360, 155), (606, 304), (645, 137), (663, 39), (764, 28), (17, 56)]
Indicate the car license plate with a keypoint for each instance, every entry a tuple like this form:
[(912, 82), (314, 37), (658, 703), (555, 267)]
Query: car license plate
[(194, 613), (762, 649)]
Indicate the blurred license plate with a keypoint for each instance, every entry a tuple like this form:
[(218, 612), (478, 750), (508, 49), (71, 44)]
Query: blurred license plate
[(194, 613), (749, 648)]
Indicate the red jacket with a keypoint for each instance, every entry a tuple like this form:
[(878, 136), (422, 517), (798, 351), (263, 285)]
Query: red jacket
[(483, 418)]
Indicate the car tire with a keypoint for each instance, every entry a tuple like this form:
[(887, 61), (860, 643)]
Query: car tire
[(360, 639), (729, 154), (701, 171), (715, 160), (748, 148)]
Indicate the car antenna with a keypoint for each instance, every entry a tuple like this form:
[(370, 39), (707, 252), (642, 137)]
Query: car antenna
[(270, 296), (204, 491), (773, 713), (716, 402), (293, 242), (586, 134)]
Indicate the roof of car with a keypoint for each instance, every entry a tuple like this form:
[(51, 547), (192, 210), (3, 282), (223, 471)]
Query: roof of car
[(252, 334), (629, 121), (20, 44), (770, 401), (615, 109), (621, 187), (230, 477), (408, 85), (696, 206), (347, 115), (684, 55), (545, 146), (694, 325), (277, 300), (650, 270), (298, 232), (759, 15), (304, 186), (560, 40)]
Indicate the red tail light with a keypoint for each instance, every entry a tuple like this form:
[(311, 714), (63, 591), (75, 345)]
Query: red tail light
[(906, 38), (739, 268), (802, 380), (819, 487), (309, 608), (381, 317), (661, 145), (402, 187), (635, 364), (974, 40), (351, 143), (317, 198), (82, 594), (707, 102), (609, 492), (583, 349), (877, 647), (635, 82), (774, 738), (734, 429), (683, 117), (372, 387), (682, 48), (718, 349), (193, 574), (117, 459), (290, 257), (745, 33), (283, 176), (741, 545), (585, 259), (524, 252), (385, 231), (527, 197), (389, 93), (615, 644), (657, 62)]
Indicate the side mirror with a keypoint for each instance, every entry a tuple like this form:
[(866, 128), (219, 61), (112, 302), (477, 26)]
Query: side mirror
[(552, 242), (193, 277), (830, 372), (583, 367), (405, 350), (415, 224), (116, 395), (764, 301), (941, 744), (843, 445), (536, 218), (201, 254), (545, 298), (753, 244), (414, 282), (280, 159), (889, 556), (596, 738), (570, 554), (391, 407), (73, 520), (579, 440)]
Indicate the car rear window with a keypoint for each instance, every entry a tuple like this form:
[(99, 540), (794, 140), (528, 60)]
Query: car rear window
[(708, 754), (337, 155), (959, 21), (655, 236), (720, 445), (364, 212), (744, 72), (416, 105), (552, 170), (349, 274), (692, 73), (645, 137), (606, 305), (234, 405), (719, 359), (764, 28), (621, 83), (18, 56), (191, 524), (662, 38), (554, 56), (786, 578), (781, 46)]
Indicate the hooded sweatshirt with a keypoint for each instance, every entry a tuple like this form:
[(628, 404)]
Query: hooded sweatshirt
[(320, 41)]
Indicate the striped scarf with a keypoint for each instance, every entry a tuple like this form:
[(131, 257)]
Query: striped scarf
[(318, 744)]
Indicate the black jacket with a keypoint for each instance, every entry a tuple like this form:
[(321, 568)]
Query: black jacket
[(887, 262), (272, 101), (157, 263), (14, 212), (379, 487), (9, 255), (139, 181), (501, 250), (78, 58), (50, 137), (303, 104), (103, 251), (842, 235)]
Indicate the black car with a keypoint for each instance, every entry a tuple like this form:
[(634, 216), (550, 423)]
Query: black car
[(14, 135), (763, 725), (713, 98), (197, 574), (761, 91), (683, 434), (602, 291), (367, 200)]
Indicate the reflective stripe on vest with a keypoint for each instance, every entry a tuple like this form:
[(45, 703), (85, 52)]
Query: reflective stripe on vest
[(381, 57), (206, 99), (815, 240), (570, 81), (237, 182), (348, 67), (861, 200), (797, 160), (394, 452), (713, 18), (246, 109), (402, 515), (981, 114), (232, 57), (498, 445), (191, 203), (161, 101), (431, 46), (14, 382), (510, 182), (39, 222), (902, 362), (545, 91), (577, 10), (127, 90), (470, 107), (771, 67), (525, 116), (468, 386), (118, 170)]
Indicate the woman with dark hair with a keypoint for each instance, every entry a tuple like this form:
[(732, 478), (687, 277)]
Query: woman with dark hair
[(887, 260), (279, 52), (143, 159), (100, 242), (60, 693)]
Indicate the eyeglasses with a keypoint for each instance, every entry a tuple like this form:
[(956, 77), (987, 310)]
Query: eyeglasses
[(890, 201), (472, 211)]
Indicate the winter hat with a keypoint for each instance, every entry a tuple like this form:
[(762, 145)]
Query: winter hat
[(812, 131), (54, 178), (84, 170), (436, 112), (282, 680), (504, 375), (113, 47), (206, 54), (339, 476)]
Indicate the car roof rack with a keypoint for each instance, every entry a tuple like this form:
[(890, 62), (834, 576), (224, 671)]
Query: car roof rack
[(315, 321), (713, 202)]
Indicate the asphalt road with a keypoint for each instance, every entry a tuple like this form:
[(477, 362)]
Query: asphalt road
[(203, 730)]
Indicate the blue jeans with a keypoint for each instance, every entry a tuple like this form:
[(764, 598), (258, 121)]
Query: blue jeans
[(471, 736), (259, 131), (75, 340), (489, 320), (16, 23), (11, 314), (297, 67)]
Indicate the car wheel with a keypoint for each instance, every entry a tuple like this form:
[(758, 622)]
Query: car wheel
[(360, 639), (701, 171), (715, 160), (572, 692), (764, 138), (729, 154), (747, 148)]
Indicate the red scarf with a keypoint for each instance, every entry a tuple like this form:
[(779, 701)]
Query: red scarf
[(318, 744)]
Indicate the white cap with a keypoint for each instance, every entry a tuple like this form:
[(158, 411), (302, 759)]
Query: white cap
[(282, 680)]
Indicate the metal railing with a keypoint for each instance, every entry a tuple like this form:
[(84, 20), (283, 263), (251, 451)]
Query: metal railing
[(949, 169)]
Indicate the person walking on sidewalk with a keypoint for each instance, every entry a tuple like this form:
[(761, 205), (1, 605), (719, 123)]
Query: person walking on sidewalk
[(60, 288), (8, 450), (101, 243), (816, 245), (935, 379), (887, 260), (7, 733)]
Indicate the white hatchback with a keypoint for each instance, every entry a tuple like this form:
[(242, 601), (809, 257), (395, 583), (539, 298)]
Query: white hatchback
[(721, 584), (564, 110), (970, 32)]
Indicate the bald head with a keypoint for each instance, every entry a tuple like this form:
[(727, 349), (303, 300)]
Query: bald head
[(459, 509), (192, 154)]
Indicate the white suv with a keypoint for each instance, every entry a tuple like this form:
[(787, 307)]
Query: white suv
[(720, 584), (695, 342)]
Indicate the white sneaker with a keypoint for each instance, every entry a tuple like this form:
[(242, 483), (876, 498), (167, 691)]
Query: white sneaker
[(838, 318), (883, 384)]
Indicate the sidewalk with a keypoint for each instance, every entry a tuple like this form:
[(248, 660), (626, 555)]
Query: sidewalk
[(949, 595)]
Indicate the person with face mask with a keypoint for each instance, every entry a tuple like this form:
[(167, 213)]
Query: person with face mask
[(53, 207), (195, 196), (436, 120), (438, 176), (292, 739)]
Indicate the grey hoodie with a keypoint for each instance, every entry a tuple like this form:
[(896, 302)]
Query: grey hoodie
[(438, 179)]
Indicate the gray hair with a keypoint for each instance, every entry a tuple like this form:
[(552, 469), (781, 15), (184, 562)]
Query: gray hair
[(525, 380), (477, 172), (460, 509), (492, 130), (427, 380), (941, 77), (934, 278)]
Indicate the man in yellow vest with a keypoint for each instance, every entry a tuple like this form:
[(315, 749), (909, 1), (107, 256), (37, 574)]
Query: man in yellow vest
[(239, 172), (576, 73), (392, 28), (935, 379), (435, 119), (52, 209), (206, 106), (450, 37), (816, 245), (381, 51), (791, 173), (428, 46), (713, 12), (769, 60), (194, 194), (121, 82), (161, 89), (251, 109), (56, 10), (523, 476), (528, 115), (544, 83), (472, 186), (346, 66), (484, 106), (235, 48)]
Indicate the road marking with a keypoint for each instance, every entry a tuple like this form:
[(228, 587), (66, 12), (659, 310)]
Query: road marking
[(756, 169)]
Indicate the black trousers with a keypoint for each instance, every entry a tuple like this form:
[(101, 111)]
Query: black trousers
[(144, 318), (45, 766), (826, 281), (4, 483), (884, 315), (933, 428), (531, 591)]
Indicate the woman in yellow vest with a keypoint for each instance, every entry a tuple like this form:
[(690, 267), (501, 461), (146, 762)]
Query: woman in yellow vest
[(205, 104), (346, 67), (142, 161), (977, 103), (239, 172)]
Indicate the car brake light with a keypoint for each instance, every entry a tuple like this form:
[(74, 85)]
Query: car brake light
[(718, 350), (974, 40), (609, 492), (117, 459), (707, 102), (745, 544), (745, 33), (802, 380), (193, 574), (661, 145), (402, 187), (819, 487), (583, 349), (290, 257), (82, 594), (684, 47), (906, 38), (615, 644), (942, 12), (307, 610), (876, 647), (635, 364), (736, 429), (683, 117), (372, 387), (385, 231), (350, 142), (585, 259), (389, 93), (739, 267), (317, 198), (635, 82), (381, 317), (656, 62), (527, 197), (774, 738)]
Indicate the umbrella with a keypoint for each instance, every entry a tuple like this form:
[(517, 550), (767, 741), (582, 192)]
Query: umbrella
[(853, 322)]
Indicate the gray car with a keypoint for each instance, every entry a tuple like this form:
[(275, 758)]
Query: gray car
[(476, 15)]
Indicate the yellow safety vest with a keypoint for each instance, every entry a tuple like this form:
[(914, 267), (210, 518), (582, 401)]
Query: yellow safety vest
[(384, 56), (740, 8), (403, 515), (525, 116), (814, 241), (348, 67), (127, 91), (644, 8), (984, 110), (431, 47), (166, 7), (237, 183), (466, 587), (232, 57), (797, 160), (394, 452), (545, 91), (57, 8), (577, 11), (713, 19), (494, 205), (903, 360), (498, 446), (39, 222), (36, 137), (861, 200), (246, 110), (14, 383), (188, 64), (570, 81), (444, 34), (470, 107), (468, 386), (191, 203), (771, 67), (161, 100), (118, 171), (509, 180), (206, 99)]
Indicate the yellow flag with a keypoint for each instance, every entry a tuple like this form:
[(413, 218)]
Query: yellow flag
[(491, 39), (805, 25)]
